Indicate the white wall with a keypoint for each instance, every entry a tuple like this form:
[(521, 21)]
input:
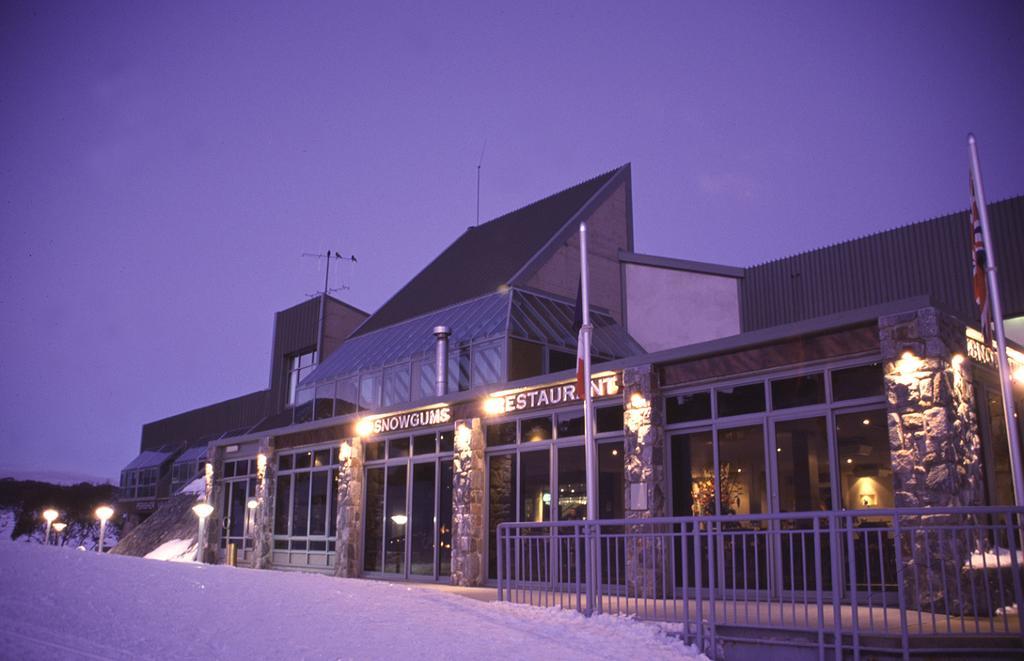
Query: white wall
[(668, 308)]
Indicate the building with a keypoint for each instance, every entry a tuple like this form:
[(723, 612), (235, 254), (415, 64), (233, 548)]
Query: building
[(848, 377)]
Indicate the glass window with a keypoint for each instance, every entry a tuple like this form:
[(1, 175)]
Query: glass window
[(487, 363), (424, 444), (801, 459), (446, 441), (742, 482), (738, 400), (865, 463), (610, 479), (536, 429), (284, 462), (534, 494), (398, 447), (395, 385), (373, 450), (444, 520), (572, 484), (300, 505), (303, 459), (318, 503), (501, 433), (346, 396), (299, 367), (324, 405), (424, 378), (857, 382), (282, 504), (321, 458), (693, 474), (459, 369), (501, 501), (570, 423), (609, 419), (229, 469), (687, 408), (421, 520), (801, 390), (373, 538), (369, 390), (396, 520), (559, 361)]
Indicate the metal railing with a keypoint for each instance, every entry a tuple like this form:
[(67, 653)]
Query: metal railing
[(891, 582)]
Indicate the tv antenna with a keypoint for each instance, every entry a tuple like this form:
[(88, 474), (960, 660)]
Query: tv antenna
[(478, 165), (328, 255)]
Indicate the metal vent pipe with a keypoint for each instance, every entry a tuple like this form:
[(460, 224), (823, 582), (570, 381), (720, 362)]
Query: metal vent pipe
[(441, 360)]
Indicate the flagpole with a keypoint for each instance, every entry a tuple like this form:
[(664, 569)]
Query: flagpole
[(588, 400), (1012, 433)]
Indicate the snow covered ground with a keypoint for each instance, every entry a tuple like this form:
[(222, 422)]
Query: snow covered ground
[(59, 603)]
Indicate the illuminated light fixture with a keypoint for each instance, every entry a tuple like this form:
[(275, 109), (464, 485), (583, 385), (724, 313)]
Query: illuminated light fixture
[(778, 449), (908, 363), (463, 436), (958, 360), (849, 460), (103, 513), (364, 427), (202, 510), (1018, 374), (59, 527), (494, 406), (866, 421), (739, 470), (615, 452), (637, 401), (546, 499), (252, 503), (50, 515), (345, 452), (400, 519)]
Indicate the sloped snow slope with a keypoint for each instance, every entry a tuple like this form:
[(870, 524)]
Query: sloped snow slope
[(59, 603)]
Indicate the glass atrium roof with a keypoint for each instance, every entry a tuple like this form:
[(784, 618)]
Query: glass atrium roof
[(192, 454), (511, 313), (147, 459)]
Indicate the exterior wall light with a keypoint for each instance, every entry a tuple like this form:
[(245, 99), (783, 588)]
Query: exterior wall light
[(494, 406), (364, 428), (908, 363)]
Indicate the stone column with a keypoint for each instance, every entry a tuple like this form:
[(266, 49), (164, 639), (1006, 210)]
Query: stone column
[(262, 527), (468, 504), (215, 497), (644, 479), (349, 544), (933, 439)]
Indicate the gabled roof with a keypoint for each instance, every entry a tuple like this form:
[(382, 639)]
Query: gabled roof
[(487, 257)]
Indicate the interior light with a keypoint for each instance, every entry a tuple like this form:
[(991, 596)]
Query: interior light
[(849, 460), (866, 421), (400, 519)]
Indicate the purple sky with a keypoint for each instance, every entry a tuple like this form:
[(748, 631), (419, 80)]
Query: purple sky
[(164, 165)]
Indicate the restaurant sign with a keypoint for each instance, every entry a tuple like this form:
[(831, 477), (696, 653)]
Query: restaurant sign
[(525, 399), (403, 421)]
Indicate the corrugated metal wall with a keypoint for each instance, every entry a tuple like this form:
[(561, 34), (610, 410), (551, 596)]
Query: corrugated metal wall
[(240, 412), (295, 330), (929, 258)]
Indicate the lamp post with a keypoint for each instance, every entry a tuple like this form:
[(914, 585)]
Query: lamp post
[(59, 527), (50, 515), (103, 512), (251, 505), (202, 511)]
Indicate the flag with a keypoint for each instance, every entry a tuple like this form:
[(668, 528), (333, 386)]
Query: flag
[(980, 263), (577, 326)]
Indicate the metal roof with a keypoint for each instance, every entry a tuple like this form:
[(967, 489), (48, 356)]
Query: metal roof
[(488, 256), (192, 454), (510, 313), (147, 459)]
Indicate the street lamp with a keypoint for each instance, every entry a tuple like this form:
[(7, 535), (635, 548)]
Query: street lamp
[(251, 505), (103, 513), (202, 510), (50, 515), (59, 527)]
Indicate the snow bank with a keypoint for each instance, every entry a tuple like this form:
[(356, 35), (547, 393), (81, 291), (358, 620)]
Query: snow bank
[(62, 603), (996, 558), (175, 550)]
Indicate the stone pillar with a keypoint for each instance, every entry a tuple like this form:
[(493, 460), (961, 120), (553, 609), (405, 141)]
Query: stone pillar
[(468, 504), (215, 497), (933, 439), (644, 479), (349, 544), (262, 527)]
